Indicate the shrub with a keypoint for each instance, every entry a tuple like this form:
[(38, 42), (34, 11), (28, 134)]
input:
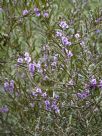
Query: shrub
[(51, 68)]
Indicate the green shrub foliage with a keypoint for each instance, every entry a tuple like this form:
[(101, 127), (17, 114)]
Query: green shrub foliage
[(50, 68)]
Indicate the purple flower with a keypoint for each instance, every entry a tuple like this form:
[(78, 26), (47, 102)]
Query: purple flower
[(44, 95), (63, 24), (69, 54), (31, 68), (48, 105), (20, 60), (6, 86), (46, 14), (27, 59), (98, 31), (11, 86), (56, 97), (4, 109), (37, 12), (65, 41), (83, 95), (93, 82), (25, 12), (38, 65), (38, 90), (34, 94), (59, 33), (55, 107)]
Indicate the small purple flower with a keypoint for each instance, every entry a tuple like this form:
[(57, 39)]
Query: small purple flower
[(59, 33), (38, 65), (6, 86), (69, 54), (25, 12), (57, 110), (20, 60), (48, 105), (44, 95), (28, 59), (65, 41), (31, 68), (46, 14), (4, 109), (38, 90), (98, 31), (11, 86), (63, 25), (55, 107), (83, 95), (56, 97), (34, 94), (37, 12), (93, 82)]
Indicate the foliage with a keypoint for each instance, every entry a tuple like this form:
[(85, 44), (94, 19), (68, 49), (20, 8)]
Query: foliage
[(50, 68)]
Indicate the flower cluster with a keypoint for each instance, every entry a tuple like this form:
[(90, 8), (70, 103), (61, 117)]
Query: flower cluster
[(38, 13), (9, 86), (83, 94), (92, 85), (52, 106), (49, 103), (61, 35), (26, 58)]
